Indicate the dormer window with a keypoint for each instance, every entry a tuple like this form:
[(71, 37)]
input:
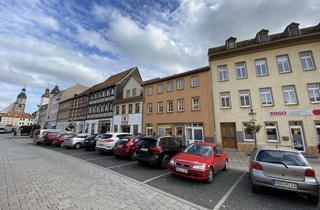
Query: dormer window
[(231, 43), (262, 36), (291, 30)]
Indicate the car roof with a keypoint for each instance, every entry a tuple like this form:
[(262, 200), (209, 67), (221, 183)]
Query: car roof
[(205, 143), (276, 148), (117, 133)]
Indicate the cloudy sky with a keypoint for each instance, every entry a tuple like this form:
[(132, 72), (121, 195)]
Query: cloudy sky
[(48, 42)]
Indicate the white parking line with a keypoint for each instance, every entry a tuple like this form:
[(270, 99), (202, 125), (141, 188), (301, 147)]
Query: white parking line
[(118, 166), (149, 180), (97, 158), (224, 198)]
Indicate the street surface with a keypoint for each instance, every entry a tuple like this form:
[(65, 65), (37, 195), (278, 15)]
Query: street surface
[(46, 177)]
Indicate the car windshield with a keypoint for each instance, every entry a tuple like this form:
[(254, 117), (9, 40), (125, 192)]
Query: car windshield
[(281, 157), (198, 149), (148, 142), (105, 136)]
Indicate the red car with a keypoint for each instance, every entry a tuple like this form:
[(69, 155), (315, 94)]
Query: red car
[(49, 137), (60, 138), (199, 161), (125, 147)]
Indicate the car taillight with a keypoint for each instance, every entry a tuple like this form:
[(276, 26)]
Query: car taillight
[(310, 172), (108, 140), (256, 166), (155, 149)]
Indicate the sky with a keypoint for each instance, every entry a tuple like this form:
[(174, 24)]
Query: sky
[(44, 43)]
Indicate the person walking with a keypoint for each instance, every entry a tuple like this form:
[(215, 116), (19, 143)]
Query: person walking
[(14, 134)]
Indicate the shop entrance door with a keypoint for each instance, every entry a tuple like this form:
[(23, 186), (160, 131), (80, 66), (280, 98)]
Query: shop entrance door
[(228, 134), (297, 137)]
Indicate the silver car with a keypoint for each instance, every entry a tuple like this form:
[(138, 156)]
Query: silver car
[(75, 142), (283, 168)]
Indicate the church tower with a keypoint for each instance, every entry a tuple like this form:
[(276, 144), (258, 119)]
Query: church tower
[(20, 104), (45, 97)]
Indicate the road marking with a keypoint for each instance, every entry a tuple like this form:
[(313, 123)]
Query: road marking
[(149, 180), (224, 198), (118, 166), (97, 158)]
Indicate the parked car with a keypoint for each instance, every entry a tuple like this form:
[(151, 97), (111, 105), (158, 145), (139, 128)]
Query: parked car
[(283, 168), (76, 141), (2, 128), (90, 142), (106, 142), (125, 147), (58, 141), (200, 161), (157, 151), (49, 137), (39, 134)]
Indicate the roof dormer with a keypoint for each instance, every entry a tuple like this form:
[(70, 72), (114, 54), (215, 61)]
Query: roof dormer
[(231, 43), (262, 36), (291, 30)]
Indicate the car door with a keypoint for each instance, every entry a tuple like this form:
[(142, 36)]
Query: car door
[(218, 160)]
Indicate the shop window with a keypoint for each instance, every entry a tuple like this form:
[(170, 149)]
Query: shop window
[(271, 131), (248, 134)]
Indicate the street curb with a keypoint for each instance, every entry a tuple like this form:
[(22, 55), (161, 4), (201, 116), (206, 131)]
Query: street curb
[(135, 181)]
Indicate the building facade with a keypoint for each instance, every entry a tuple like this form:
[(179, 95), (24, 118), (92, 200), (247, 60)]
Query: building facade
[(128, 110), (53, 107), (276, 76), (41, 114), (180, 105), (16, 119)]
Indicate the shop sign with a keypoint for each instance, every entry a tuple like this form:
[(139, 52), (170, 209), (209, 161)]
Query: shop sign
[(301, 112), (125, 119)]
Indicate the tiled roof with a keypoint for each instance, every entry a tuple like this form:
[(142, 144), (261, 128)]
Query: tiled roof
[(273, 38), (194, 71), (17, 115), (111, 81)]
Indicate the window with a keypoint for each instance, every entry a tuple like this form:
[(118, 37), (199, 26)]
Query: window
[(289, 95), (266, 97), (149, 90), (160, 107), (314, 92), (307, 61), (134, 92), (149, 130), (244, 98), (160, 88), (261, 67), (248, 134), (241, 70), (195, 103), (169, 86), (127, 93), (180, 84), (137, 107), (170, 106), (283, 64), (123, 108), (194, 81), (271, 131), (225, 100), (180, 105), (222, 73), (130, 108), (149, 108)]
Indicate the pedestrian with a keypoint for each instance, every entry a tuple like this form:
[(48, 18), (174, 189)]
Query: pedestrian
[(14, 134)]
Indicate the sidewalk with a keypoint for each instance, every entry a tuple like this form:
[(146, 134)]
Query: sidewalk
[(35, 178)]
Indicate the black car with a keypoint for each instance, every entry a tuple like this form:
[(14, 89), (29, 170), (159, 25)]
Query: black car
[(90, 142), (157, 151)]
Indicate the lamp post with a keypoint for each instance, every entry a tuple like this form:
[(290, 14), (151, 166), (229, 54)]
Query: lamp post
[(252, 116)]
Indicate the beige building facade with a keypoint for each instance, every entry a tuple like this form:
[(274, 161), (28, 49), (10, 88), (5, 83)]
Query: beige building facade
[(179, 105), (16, 119), (278, 77)]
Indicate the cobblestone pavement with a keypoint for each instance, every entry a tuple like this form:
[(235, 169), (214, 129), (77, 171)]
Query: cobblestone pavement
[(36, 178)]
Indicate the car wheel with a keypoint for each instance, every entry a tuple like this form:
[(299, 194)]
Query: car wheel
[(165, 162), (313, 199), (210, 175), (77, 146), (225, 168)]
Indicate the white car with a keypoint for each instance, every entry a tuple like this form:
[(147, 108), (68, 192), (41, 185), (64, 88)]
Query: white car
[(106, 142), (75, 142)]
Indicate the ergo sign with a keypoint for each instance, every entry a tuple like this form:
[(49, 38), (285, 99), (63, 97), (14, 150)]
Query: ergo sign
[(302, 112)]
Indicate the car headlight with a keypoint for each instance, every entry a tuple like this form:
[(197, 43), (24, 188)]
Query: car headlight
[(172, 162), (199, 167)]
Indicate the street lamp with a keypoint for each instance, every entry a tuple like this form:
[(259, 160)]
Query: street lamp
[(252, 116)]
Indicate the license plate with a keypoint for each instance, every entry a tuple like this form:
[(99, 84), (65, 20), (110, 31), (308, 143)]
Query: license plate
[(285, 184), (144, 149), (100, 144), (182, 170)]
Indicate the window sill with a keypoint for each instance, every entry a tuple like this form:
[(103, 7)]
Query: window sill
[(229, 107), (263, 75), (248, 140), (273, 141), (309, 69), (315, 102), (240, 78), (223, 80), (271, 105), (195, 110), (291, 104), (286, 72), (194, 86), (245, 107)]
